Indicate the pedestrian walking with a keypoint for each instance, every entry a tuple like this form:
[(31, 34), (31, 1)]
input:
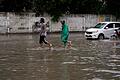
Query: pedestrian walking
[(65, 35), (43, 33)]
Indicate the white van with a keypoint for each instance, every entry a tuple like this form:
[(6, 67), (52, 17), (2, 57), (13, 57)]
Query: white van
[(102, 30)]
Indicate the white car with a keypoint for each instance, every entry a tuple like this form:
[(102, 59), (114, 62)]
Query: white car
[(102, 30)]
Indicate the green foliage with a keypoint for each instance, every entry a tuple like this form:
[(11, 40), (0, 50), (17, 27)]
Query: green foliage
[(56, 17), (55, 8), (113, 7)]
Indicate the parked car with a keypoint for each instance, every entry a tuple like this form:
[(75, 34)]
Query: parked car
[(102, 30)]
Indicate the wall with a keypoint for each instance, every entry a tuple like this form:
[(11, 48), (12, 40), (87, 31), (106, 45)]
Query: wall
[(23, 23)]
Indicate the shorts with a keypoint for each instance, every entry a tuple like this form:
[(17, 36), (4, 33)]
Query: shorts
[(42, 40)]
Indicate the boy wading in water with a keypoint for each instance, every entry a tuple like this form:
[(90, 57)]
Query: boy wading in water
[(43, 33), (65, 35)]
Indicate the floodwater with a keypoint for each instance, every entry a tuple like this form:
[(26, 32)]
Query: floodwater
[(20, 58)]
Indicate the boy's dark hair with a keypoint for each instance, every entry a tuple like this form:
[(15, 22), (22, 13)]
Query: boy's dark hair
[(42, 20), (63, 22), (36, 23)]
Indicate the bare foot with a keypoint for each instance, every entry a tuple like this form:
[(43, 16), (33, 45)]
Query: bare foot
[(50, 47)]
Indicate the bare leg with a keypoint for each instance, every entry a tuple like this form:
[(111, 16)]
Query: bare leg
[(69, 44), (46, 42), (50, 45)]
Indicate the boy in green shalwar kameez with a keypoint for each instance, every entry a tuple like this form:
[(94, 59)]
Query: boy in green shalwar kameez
[(65, 34)]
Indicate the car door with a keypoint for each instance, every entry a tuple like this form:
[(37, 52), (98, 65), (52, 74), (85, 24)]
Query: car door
[(109, 30)]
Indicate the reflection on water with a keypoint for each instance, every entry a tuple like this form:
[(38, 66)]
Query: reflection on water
[(89, 60)]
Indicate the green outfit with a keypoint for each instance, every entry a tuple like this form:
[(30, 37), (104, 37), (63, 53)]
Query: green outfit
[(64, 34)]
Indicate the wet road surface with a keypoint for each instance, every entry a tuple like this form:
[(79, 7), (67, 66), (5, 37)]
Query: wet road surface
[(20, 58)]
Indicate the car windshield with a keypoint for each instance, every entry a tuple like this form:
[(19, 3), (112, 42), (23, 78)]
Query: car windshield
[(100, 25)]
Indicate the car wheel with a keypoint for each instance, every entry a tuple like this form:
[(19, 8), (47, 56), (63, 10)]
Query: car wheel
[(101, 37), (113, 37)]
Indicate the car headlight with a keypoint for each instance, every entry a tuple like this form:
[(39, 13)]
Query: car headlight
[(95, 31)]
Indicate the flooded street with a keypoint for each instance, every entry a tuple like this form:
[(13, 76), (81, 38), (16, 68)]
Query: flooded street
[(20, 58)]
